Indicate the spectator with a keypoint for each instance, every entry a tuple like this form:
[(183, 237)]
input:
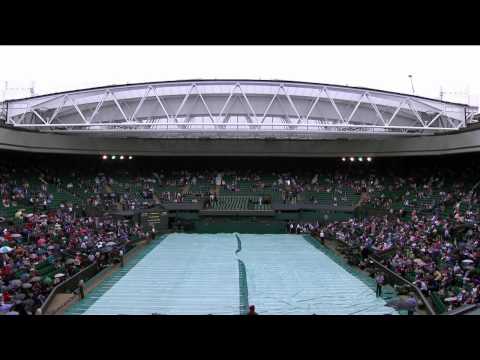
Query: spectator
[(379, 280)]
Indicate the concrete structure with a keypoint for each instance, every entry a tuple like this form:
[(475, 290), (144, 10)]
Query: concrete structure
[(461, 142), (238, 118)]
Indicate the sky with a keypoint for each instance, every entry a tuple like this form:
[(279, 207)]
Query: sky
[(456, 69)]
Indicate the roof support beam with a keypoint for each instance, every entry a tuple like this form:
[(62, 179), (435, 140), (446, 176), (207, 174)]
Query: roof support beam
[(340, 116), (204, 103), (375, 107), (356, 108), (140, 103), (313, 105), (269, 105), (39, 116), (99, 105), (77, 108), (118, 106), (58, 109), (162, 105), (249, 105), (435, 118), (299, 119), (396, 112), (414, 110)]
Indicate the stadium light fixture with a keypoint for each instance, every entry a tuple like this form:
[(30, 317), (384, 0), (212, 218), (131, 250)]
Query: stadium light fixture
[(352, 159), (360, 159), (130, 157), (411, 82), (121, 157), (344, 159), (113, 157), (104, 157), (369, 159)]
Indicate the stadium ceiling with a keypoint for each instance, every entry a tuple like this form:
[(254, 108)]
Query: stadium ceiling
[(236, 108)]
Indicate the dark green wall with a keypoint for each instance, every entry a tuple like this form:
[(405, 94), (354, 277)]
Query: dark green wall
[(241, 225)]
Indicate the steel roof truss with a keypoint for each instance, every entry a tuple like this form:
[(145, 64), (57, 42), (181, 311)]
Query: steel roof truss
[(27, 109), (375, 107), (291, 103), (419, 114), (396, 112), (415, 112), (185, 98), (313, 105), (140, 103), (269, 105), (161, 105), (58, 109), (247, 115), (249, 105), (224, 107), (334, 105), (204, 103), (74, 103), (118, 105), (99, 105), (225, 112), (451, 123), (287, 118), (38, 115), (356, 108), (188, 115), (435, 118)]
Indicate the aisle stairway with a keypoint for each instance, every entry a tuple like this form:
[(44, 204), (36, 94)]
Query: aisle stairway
[(229, 203)]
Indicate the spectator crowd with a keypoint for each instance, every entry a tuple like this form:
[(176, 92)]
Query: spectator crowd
[(429, 227)]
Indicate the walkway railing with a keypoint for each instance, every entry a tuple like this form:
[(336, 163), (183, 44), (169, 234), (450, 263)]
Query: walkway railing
[(463, 310), (394, 277), (71, 284), (399, 279)]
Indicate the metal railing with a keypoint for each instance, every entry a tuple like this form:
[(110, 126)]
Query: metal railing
[(394, 277), (399, 279), (70, 284), (463, 310)]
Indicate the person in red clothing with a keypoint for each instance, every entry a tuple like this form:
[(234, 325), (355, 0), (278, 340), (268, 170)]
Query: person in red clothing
[(6, 297), (6, 271), (251, 310)]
